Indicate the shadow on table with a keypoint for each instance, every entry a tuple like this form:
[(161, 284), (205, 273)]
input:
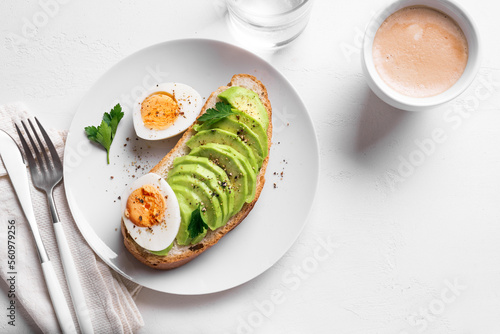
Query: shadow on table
[(377, 121)]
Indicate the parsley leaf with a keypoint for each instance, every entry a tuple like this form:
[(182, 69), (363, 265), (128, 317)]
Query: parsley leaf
[(91, 132), (113, 118), (213, 115), (105, 132), (197, 225)]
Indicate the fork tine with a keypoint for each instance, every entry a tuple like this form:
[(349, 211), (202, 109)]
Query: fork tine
[(41, 163), (42, 147), (27, 151), (55, 157)]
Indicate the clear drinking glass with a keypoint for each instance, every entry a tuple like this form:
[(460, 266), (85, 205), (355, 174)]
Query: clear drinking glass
[(268, 23)]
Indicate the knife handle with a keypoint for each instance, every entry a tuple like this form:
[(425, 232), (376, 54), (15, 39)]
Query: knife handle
[(75, 288), (63, 313)]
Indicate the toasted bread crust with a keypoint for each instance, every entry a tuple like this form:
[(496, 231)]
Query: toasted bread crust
[(180, 255)]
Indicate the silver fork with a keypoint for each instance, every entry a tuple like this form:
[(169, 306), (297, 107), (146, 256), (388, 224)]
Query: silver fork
[(46, 173)]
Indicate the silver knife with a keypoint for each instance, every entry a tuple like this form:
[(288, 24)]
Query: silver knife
[(16, 168)]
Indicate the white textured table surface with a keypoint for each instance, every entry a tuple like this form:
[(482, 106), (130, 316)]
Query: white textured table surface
[(414, 220)]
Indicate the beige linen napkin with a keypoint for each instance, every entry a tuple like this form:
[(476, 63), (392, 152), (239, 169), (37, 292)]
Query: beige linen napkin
[(109, 296)]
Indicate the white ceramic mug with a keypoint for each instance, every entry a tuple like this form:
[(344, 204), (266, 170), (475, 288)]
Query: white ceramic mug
[(398, 100)]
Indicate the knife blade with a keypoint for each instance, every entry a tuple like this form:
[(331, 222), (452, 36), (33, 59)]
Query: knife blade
[(16, 169)]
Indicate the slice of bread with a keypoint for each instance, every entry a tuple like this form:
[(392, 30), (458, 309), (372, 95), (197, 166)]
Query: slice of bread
[(180, 255)]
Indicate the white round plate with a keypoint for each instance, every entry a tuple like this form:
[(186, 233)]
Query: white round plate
[(93, 187)]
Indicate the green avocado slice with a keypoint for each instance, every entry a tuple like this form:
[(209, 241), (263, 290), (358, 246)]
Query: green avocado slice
[(222, 178), (251, 172), (219, 136), (253, 125), (209, 178), (233, 167), (246, 101), (247, 135), (186, 207), (162, 252), (210, 205)]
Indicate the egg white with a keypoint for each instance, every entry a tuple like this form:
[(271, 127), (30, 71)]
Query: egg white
[(158, 237), (190, 103)]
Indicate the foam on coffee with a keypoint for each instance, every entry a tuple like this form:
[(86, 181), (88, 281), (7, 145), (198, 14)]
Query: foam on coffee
[(419, 51)]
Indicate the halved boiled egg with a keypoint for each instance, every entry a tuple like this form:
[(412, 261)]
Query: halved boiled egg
[(166, 110), (150, 212)]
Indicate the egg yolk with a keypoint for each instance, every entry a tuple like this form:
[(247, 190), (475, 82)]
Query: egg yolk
[(159, 111), (145, 206)]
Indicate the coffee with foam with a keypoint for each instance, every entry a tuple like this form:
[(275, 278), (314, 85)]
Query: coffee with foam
[(420, 52)]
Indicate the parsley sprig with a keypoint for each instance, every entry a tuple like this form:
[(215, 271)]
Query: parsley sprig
[(196, 225), (105, 132), (213, 115)]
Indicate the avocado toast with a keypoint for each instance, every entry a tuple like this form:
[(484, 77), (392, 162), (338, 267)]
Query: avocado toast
[(216, 167)]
